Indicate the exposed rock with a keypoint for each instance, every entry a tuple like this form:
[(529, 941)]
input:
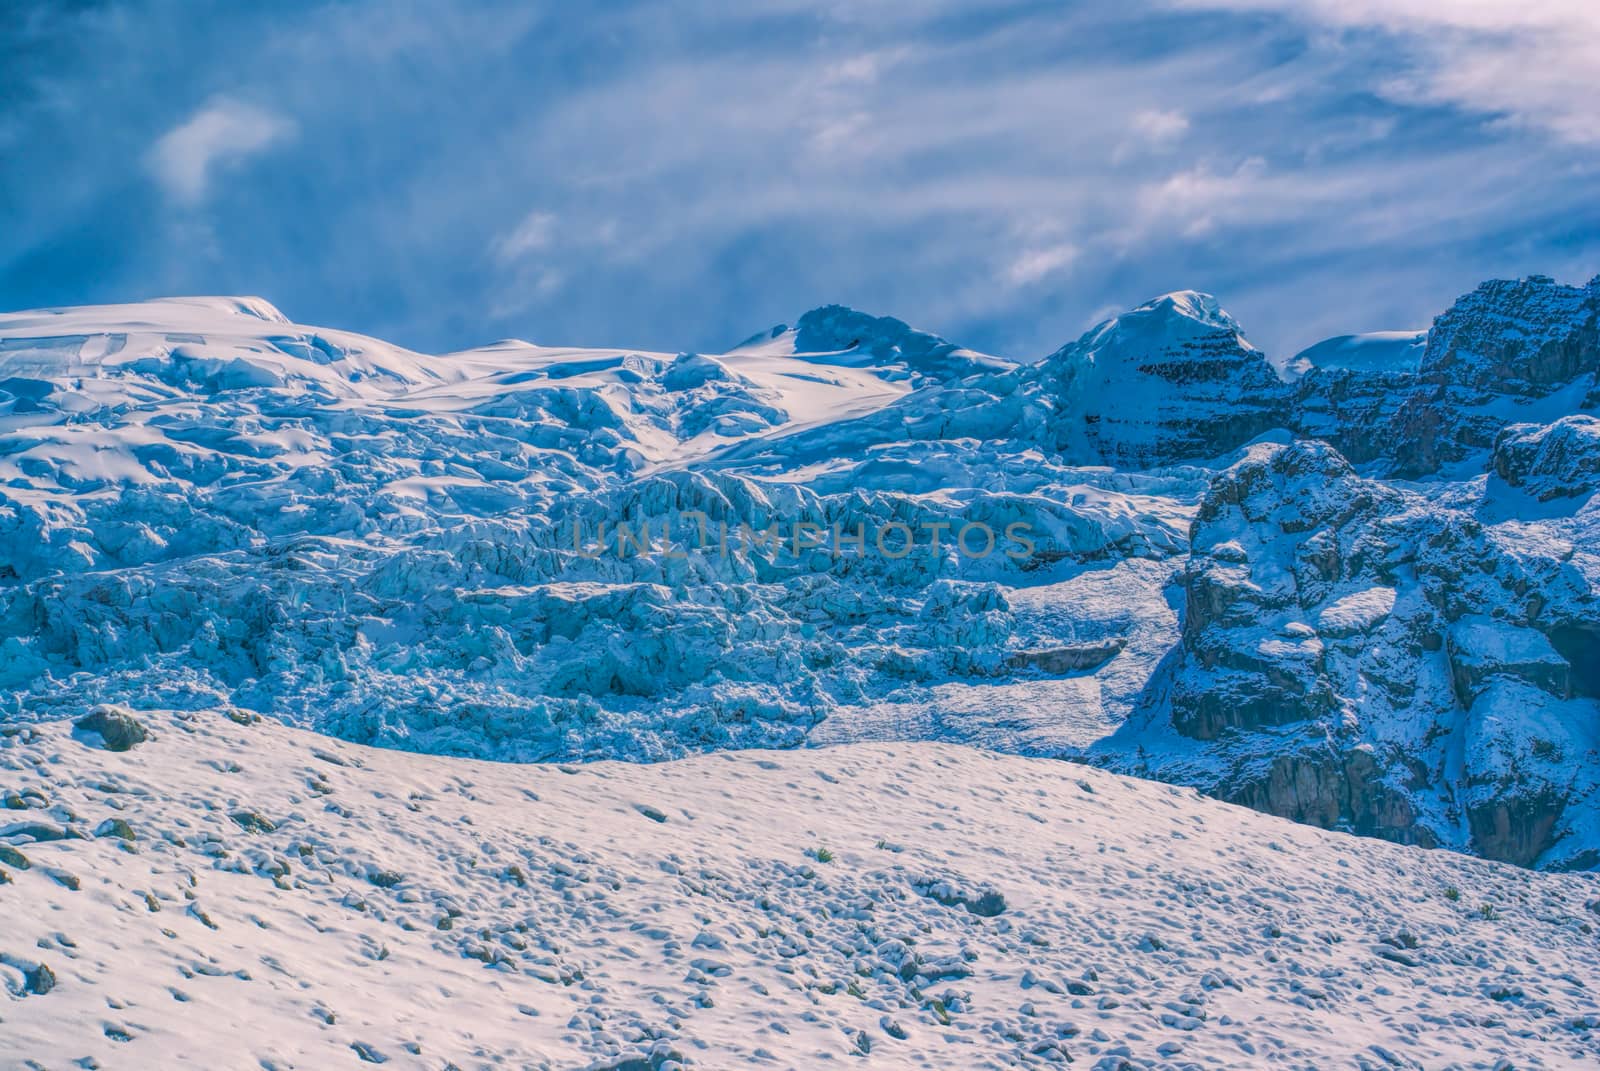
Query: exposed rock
[(1321, 787), (1495, 353), (1248, 625), (28, 798), (253, 821), (1517, 830), (1527, 758), (39, 831), (367, 1054), (1360, 657), (1074, 658), (1550, 461), (1482, 650), (40, 979), (116, 726), (985, 901), (1352, 385), (1524, 337), (1173, 380), (385, 544), (116, 827)]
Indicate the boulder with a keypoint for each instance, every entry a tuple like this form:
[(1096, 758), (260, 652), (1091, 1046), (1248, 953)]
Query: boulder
[(116, 727)]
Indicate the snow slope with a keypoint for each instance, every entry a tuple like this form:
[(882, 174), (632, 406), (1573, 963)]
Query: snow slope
[(235, 893), (1375, 351)]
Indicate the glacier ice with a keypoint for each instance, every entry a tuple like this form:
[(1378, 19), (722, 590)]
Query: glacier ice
[(1273, 590)]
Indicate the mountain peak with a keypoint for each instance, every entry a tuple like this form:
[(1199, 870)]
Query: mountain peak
[(1191, 305), (839, 328), (841, 335), (1173, 379)]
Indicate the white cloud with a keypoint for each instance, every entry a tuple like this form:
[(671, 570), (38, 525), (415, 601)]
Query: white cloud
[(1160, 127), (1196, 200), (225, 131), (863, 68), (534, 233), (525, 291), (1037, 264), (1531, 63)]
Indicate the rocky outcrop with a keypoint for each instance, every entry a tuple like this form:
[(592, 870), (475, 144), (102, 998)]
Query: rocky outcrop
[(1518, 337), (1322, 786), (1511, 351), (1074, 658), (1173, 380), (1356, 656), (430, 552), (1505, 345), (1345, 407), (1549, 461), (884, 341)]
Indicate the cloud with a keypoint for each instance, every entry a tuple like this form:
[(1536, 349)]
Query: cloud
[(1194, 201), (220, 134), (1531, 64), (1037, 264), (1160, 127), (533, 234), (698, 170)]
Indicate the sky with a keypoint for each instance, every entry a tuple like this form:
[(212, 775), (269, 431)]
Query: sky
[(676, 176)]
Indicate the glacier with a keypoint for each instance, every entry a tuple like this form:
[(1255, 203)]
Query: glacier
[(1359, 592)]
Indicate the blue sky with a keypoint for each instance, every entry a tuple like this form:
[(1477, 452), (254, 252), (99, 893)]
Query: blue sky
[(676, 176)]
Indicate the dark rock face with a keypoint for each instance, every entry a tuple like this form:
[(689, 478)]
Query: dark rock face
[(1551, 461), (1509, 341), (1362, 656), (1321, 787), (1357, 656), (1517, 830), (1524, 337), (1173, 380), (1481, 651), (1242, 679), (1493, 359), (1580, 645), (1345, 406), (118, 728), (1075, 658), (884, 340)]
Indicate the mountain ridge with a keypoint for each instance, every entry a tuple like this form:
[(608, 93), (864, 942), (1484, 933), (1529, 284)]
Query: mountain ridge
[(204, 503)]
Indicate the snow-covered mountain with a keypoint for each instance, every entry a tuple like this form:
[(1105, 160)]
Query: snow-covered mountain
[(1364, 599), (1173, 380), (1525, 350), (1357, 654)]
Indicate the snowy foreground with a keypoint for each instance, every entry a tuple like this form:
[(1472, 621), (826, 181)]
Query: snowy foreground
[(234, 893)]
